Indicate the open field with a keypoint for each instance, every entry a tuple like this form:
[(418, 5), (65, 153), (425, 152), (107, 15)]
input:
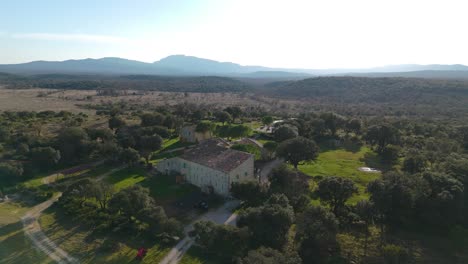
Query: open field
[(15, 248), (76, 100), (84, 246), (343, 163)]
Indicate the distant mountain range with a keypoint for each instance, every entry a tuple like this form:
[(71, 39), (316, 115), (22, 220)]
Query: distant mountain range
[(181, 65)]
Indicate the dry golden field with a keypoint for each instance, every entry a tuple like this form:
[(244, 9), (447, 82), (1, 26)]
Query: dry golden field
[(75, 100)]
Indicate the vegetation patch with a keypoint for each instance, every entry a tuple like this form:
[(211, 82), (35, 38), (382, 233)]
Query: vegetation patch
[(88, 248), (343, 163), (126, 177)]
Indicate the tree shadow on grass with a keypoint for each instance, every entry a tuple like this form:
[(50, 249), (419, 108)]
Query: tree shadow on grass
[(336, 144), (16, 247)]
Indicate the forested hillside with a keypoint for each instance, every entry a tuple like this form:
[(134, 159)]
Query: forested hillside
[(352, 89), (132, 82)]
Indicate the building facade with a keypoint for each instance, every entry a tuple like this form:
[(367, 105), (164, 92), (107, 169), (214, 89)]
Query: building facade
[(211, 167), (189, 134)]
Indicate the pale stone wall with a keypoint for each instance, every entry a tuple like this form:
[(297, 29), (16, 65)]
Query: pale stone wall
[(188, 134), (244, 172), (203, 176)]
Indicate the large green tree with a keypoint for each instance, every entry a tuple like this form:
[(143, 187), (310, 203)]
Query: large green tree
[(45, 157), (316, 230), (335, 191), (298, 149), (269, 223)]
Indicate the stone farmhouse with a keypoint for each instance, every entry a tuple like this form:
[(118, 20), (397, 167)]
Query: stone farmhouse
[(190, 134), (211, 166)]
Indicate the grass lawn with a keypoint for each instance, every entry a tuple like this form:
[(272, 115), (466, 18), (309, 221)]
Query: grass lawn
[(174, 143), (15, 247), (91, 172), (84, 246), (163, 187), (343, 163), (126, 177), (156, 158)]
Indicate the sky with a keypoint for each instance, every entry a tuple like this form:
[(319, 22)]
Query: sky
[(290, 34)]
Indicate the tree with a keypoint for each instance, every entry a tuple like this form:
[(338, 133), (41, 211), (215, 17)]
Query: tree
[(269, 223), (333, 122), (102, 192), (441, 204), (79, 190), (100, 134), (267, 120), (316, 230), (149, 144), (223, 117), (293, 184), (353, 125), (116, 122), (390, 154), (270, 147), (204, 127), (335, 191), (264, 255), (4, 134), (365, 210), (73, 144), (393, 198), (45, 157), (298, 149), (152, 119), (159, 130), (129, 156), (414, 163), (221, 240), (239, 131), (158, 222), (234, 111), (131, 201), (382, 135), (251, 192), (9, 173), (285, 132), (22, 149)]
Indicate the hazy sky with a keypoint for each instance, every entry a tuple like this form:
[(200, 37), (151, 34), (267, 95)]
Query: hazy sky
[(290, 33)]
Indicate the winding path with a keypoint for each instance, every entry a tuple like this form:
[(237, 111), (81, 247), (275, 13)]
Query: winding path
[(222, 215)]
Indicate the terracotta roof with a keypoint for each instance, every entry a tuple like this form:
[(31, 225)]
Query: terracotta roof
[(210, 154)]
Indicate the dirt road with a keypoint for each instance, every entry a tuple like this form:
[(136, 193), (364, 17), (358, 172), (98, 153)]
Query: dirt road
[(222, 215), (32, 230)]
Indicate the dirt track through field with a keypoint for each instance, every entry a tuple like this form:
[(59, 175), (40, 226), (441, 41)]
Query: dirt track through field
[(32, 228)]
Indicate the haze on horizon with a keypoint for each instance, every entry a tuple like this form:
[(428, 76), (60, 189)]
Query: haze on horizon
[(290, 34)]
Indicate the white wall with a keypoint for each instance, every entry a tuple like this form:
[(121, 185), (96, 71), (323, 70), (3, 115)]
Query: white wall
[(203, 176)]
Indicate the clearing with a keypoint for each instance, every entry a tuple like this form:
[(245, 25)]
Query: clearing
[(344, 163)]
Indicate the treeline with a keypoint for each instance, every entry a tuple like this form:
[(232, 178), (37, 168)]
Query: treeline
[(398, 96), (127, 82)]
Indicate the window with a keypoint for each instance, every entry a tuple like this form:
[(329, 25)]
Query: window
[(245, 173)]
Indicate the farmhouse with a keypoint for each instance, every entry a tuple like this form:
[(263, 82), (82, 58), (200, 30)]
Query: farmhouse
[(190, 134), (211, 166)]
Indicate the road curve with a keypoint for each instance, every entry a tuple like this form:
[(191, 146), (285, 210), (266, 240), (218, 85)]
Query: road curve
[(222, 215)]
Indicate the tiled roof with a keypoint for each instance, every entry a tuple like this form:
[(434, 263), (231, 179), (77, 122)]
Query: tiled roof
[(210, 154)]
